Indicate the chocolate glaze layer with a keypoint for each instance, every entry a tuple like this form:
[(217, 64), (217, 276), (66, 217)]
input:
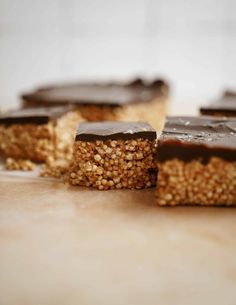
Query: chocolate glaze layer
[(103, 94), (231, 93), (226, 105), (189, 138), (37, 116), (89, 132)]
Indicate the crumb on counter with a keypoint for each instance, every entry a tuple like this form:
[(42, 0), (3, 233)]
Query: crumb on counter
[(19, 164)]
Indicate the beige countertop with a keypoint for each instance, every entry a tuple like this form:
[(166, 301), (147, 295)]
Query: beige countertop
[(65, 245)]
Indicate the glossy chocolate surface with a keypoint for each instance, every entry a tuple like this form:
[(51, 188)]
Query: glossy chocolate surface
[(189, 138), (90, 132), (37, 116), (103, 94)]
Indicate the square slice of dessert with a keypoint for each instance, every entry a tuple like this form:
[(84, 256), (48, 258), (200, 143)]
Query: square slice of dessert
[(114, 155), (38, 133), (197, 162)]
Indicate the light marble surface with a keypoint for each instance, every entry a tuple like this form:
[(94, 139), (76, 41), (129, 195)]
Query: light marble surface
[(64, 245)]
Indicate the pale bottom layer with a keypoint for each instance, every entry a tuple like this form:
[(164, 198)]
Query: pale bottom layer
[(195, 183), (39, 143), (153, 112), (114, 164), (27, 141)]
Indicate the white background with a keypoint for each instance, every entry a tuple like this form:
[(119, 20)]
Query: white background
[(192, 43)]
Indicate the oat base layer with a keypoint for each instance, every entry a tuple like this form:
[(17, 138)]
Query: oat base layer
[(153, 112), (194, 183), (114, 164), (27, 141), (50, 143)]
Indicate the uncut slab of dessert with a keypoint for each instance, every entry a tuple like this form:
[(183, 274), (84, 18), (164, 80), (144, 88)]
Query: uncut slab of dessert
[(137, 100), (117, 136)]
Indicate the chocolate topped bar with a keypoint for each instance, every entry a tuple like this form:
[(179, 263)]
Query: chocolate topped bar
[(231, 93), (225, 106), (109, 94), (35, 116), (197, 162), (114, 155), (188, 138), (90, 132)]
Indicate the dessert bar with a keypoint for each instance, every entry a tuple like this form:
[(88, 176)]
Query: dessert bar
[(114, 155), (197, 162), (137, 100), (37, 133), (225, 106)]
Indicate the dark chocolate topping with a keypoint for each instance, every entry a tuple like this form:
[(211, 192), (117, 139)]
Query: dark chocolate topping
[(90, 132), (110, 94), (231, 93), (225, 105), (188, 138), (36, 116)]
